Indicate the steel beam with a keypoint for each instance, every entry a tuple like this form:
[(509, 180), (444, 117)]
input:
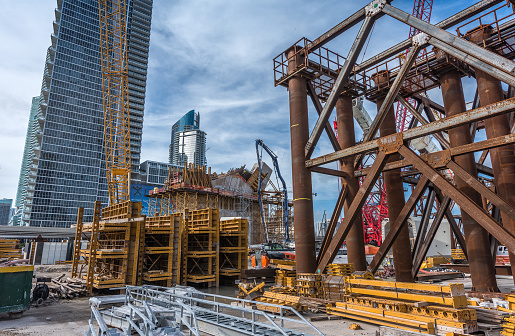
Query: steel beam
[(318, 107), (455, 151), (399, 224), (475, 62), (340, 28), (392, 93), (424, 221), (485, 220), (464, 118), (333, 222), (495, 199), (340, 82), (445, 24), (419, 257), (438, 136), (354, 210), (328, 171), (452, 222), (455, 42)]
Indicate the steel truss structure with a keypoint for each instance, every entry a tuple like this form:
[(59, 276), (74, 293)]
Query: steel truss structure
[(485, 52), (115, 91)]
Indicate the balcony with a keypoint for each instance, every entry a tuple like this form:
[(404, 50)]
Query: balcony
[(39, 136), (41, 121), (136, 106), (35, 159), (31, 181), (143, 37), (137, 52), (43, 105), (57, 15)]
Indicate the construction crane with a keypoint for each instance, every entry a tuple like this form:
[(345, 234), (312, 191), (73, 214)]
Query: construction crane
[(421, 9), (285, 221), (113, 46)]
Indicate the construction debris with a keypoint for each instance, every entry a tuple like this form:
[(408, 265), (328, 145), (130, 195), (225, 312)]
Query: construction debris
[(66, 288), (10, 249)]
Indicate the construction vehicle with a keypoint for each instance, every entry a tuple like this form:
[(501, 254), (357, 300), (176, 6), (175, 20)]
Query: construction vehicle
[(261, 254), (285, 220)]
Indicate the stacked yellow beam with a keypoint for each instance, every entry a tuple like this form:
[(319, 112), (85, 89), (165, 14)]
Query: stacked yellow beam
[(285, 278), (508, 326), (417, 307), (199, 247), (279, 299), (233, 248), (339, 269), (309, 285), (9, 248)]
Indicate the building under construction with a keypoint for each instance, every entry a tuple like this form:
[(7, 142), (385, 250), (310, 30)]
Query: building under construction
[(434, 58)]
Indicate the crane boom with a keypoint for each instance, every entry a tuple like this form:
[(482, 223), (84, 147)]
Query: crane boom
[(260, 143), (113, 47)]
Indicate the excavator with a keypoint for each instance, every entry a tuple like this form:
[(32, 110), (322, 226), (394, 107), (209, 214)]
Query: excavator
[(263, 253)]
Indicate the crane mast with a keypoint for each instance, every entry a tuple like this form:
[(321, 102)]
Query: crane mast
[(113, 45)]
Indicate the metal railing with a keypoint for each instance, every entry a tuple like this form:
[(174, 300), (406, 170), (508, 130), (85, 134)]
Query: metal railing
[(220, 306)]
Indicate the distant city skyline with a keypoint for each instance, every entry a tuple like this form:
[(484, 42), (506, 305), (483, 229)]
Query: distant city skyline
[(214, 57)]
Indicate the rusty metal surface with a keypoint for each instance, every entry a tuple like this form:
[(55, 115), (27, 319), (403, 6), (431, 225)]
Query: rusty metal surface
[(335, 217), (502, 158), (478, 245), (354, 210), (460, 119), (398, 226), (346, 136), (302, 189), (394, 187)]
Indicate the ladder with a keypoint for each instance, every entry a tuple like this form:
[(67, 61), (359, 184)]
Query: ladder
[(77, 245), (93, 246)]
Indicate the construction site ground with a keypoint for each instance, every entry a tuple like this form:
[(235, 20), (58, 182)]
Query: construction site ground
[(70, 317)]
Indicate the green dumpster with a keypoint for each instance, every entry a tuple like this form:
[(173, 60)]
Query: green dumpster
[(15, 286)]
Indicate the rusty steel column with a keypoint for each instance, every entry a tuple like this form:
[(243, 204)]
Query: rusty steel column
[(401, 248), (478, 246), (302, 192), (503, 158), (346, 138)]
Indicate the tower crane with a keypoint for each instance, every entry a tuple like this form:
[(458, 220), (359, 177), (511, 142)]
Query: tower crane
[(113, 47)]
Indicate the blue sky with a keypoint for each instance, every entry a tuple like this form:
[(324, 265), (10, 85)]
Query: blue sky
[(212, 56)]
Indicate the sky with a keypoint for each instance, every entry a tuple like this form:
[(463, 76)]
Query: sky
[(212, 56)]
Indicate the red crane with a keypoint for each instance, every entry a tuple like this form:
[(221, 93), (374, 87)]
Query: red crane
[(375, 209)]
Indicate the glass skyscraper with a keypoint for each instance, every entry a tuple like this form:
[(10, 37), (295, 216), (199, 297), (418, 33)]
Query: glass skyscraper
[(68, 169), (27, 173), (188, 142)]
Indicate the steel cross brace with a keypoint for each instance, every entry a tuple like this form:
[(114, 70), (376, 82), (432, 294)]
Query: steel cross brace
[(421, 233), (452, 222), (319, 109), (495, 199), (390, 99), (353, 211), (453, 41), (474, 210), (441, 139), (419, 257), (334, 221), (340, 82), (480, 113), (399, 223), (445, 24)]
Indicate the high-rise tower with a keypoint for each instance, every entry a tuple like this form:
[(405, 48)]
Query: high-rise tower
[(68, 168), (188, 142)]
